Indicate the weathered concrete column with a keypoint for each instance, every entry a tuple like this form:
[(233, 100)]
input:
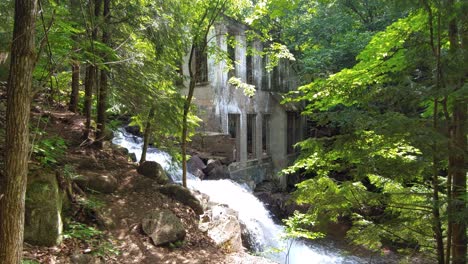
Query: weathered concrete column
[(241, 58), (243, 137), (258, 136)]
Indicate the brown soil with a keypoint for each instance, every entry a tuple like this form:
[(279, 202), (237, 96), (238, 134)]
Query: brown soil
[(123, 210)]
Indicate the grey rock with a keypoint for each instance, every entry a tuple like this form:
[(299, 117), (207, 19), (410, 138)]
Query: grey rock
[(163, 227), (100, 182), (215, 170), (182, 195), (153, 170), (195, 165), (133, 157), (222, 225), (43, 221)]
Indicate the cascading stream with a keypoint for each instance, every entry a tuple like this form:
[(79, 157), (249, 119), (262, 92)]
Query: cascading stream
[(252, 213)]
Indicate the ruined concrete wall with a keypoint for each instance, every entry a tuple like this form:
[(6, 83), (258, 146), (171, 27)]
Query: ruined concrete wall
[(217, 99)]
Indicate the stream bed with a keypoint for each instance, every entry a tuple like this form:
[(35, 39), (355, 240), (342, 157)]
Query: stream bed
[(268, 236)]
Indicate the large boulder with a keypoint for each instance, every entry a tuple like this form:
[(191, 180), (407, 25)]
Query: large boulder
[(280, 204), (215, 170), (182, 195), (222, 225), (100, 182), (195, 165), (163, 227), (43, 221), (153, 170), (134, 130)]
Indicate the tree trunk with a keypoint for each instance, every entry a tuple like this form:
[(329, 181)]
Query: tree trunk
[(89, 85), (12, 194), (457, 160), (102, 99), (187, 104), (146, 136), (91, 72), (75, 87), (459, 239), (75, 84), (436, 226)]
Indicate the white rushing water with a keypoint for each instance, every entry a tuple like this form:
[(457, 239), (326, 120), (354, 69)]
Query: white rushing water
[(252, 213)]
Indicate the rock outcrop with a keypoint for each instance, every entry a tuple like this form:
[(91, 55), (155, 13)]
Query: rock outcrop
[(100, 182), (43, 222), (195, 165), (153, 170), (163, 227), (182, 195), (215, 170), (222, 225)]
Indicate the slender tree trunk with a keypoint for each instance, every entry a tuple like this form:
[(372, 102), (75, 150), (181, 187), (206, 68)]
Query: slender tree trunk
[(448, 252), (102, 103), (187, 104), (457, 160), (89, 85), (91, 72), (436, 222), (75, 87), (12, 194), (437, 226), (147, 135), (75, 84), (459, 239)]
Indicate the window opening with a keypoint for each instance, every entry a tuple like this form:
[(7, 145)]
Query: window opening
[(251, 135), (249, 63), (234, 132), (201, 66), (266, 134), (293, 131), (231, 50)]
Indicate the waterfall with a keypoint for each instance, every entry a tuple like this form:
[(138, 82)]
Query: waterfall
[(252, 213)]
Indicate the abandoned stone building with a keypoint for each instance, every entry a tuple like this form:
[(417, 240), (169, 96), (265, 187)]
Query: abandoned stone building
[(256, 133)]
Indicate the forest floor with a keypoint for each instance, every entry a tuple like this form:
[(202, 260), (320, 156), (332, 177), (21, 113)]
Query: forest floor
[(120, 212)]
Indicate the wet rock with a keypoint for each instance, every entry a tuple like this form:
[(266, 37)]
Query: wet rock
[(135, 130), (100, 182), (133, 157), (182, 195), (279, 204), (267, 186), (195, 165), (215, 170), (204, 199), (153, 170), (163, 227), (43, 221), (222, 225)]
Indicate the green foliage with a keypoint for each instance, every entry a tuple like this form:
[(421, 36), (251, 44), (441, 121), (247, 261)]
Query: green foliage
[(248, 89), (177, 244), (70, 173), (374, 166), (101, 246), (49, 150), (29, 261), (81, 231), (91, 203), (300, 226)]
